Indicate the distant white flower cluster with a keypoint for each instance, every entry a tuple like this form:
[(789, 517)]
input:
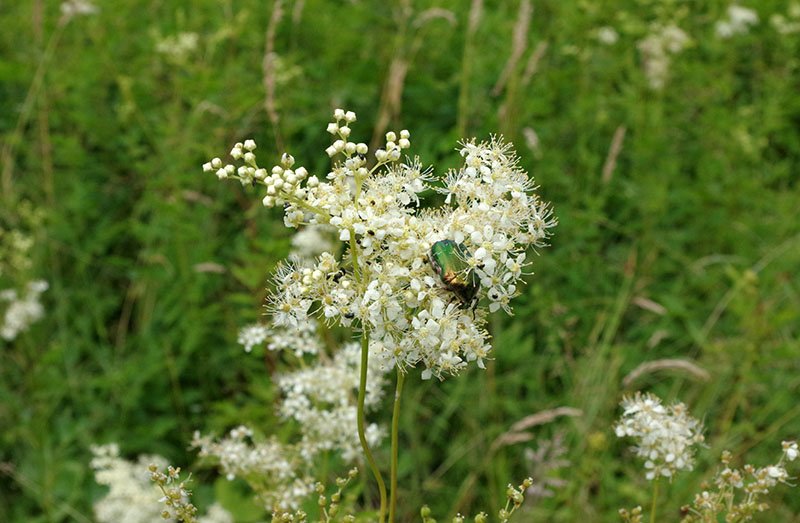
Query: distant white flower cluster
[(73, 8), (275, 470), (739, 491), (789, 23), (665, 435), (23, 310), (178, 47), (657, 50), (385, 282), (320, 398), (132, 496), (738, 21), (607, 35)]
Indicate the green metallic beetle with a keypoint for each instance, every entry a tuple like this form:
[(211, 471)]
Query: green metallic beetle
[(448, 260)]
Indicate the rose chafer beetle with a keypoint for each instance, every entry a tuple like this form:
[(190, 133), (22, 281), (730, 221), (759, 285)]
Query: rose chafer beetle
[(448, 260)]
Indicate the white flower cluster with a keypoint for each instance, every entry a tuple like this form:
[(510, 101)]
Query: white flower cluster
[(132, 496), (73, 8), (739, 491), (311, 241), (320, 398), (385, 281), (657, 49), (271, 467), (606, 35), (789, 23), (738, 21), (178, 47), (299, 339), (21, 311), (665, 435)]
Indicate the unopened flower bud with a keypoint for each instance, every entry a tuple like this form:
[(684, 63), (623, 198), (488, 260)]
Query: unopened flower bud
[(250, 145), (350, 116), (338, 114), (391, 136), (333, 128), (287, 160)]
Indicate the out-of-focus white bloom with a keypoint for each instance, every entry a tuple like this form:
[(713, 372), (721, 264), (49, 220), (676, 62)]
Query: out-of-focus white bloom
[(665, 435), (789, 23), (738, 21), (790, 450), (178, 47), (392, 290), (657, 48), (311, 241), (132, 497), (321, 398), (72, 8), (21, 312), (300, 339), (607, 35), (253, 335), (216, 514), (275, 467)]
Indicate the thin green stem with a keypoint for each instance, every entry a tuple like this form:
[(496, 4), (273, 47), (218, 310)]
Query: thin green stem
[(395, 446), (655, 500), (362, 436)]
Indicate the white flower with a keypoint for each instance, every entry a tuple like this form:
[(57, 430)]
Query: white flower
[(665, 435), (607, 35), (738, 21), (657, 48), (22, 312), (790, 450)]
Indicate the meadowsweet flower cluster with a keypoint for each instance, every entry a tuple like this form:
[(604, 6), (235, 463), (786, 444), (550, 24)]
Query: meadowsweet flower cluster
[(737, 21), (657, 50), (21, 311), (665, 435), (739, 491), (384, 283), (606, 35), (788, 23), (73, 8), (319, 397), (132, 496), (274, 470), (179, 47), (311, 241)]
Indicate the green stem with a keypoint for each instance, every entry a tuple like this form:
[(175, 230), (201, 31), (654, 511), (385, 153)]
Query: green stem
[(655, 499), (395, 425), (362, 436)]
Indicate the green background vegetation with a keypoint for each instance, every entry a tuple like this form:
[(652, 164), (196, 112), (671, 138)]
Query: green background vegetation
[(700, 216)]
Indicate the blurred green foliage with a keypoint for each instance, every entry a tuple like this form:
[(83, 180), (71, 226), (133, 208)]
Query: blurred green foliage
[(688, 248)]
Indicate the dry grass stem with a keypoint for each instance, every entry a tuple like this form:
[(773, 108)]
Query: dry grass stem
[(532, 66), (685, 366), (519, 43), (613, 152)]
